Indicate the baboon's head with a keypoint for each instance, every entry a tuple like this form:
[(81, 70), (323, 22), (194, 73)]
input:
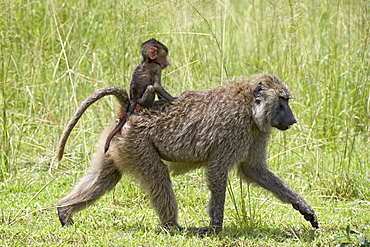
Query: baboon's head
[(271, 103)]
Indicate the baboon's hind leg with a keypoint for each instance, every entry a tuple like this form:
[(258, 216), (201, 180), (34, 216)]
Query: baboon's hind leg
[(90, 188), (217, 181), (154, 178)]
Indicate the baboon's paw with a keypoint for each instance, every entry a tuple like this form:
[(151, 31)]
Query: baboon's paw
[(64, 219), (173, 226), (313, 220), (308, 213), (206, 230)]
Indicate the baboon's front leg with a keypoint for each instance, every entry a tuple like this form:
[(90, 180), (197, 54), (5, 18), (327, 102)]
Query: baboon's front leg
[(266, 179)]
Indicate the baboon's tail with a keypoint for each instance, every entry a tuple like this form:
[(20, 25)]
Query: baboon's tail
[(118, 92)]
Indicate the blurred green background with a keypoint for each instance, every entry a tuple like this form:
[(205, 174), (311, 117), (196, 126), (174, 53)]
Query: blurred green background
[(54, 54)]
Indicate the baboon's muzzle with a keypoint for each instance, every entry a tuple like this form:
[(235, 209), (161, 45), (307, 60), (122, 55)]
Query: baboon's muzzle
[(284, 120)]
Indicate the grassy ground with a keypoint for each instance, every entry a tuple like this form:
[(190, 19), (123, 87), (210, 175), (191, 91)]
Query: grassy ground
[(53, 54)]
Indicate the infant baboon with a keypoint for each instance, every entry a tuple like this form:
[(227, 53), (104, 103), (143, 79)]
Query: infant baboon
[(216, 128), (145, 82), (121, 96)]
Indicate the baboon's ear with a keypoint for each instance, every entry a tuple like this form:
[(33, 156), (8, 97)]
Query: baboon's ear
[(153, 53), (257, 91)]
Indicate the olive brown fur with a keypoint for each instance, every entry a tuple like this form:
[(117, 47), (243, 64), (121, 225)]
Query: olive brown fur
[(218, 129)]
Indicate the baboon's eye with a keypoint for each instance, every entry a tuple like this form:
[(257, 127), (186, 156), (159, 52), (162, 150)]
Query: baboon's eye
[(283, 98)]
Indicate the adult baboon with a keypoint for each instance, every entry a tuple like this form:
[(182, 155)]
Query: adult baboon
[(216, 128), (118, 92)]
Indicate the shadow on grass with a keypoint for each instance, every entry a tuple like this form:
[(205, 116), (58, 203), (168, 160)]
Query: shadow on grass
[(265, 232), (304, 235), (231, 232)]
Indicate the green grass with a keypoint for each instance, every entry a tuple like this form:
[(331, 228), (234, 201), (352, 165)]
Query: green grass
[(53, 54)]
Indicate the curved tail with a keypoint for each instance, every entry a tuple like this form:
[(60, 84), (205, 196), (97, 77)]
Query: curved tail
[(118, 92)]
